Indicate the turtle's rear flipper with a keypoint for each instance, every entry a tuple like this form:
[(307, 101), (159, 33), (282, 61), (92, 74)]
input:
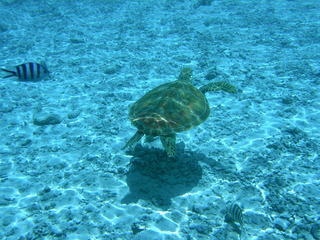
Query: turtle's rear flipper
[(134, 139), (169, 144), (217, 86)]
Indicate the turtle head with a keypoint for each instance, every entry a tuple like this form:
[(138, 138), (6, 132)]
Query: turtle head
[(185, 75)]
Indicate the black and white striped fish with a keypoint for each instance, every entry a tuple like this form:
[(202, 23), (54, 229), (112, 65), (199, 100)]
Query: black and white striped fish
[(28, 71), (234, 213)]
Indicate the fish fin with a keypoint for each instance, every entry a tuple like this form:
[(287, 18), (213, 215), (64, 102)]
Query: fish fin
[(44, 65), (12, 73)]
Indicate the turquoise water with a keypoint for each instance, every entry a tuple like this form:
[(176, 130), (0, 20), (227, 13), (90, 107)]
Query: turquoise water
[(63, 174)]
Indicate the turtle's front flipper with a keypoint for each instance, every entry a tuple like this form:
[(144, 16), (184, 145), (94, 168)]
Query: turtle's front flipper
[(217, 86), (169, 144), (134, 139)]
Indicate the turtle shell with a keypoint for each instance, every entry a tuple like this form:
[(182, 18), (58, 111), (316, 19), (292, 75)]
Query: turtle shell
[(169, 108)]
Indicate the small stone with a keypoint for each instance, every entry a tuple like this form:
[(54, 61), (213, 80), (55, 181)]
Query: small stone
[(5, 107), (77, 40), (111, 69), (287, 100), (201, 228), (45, 190), (42, 119), (137, 227), (315, 231), (203, 3), (3, 28), (73, 114), (281, 224), (212, 73), (26, 142), (7, 221), (4, 202)]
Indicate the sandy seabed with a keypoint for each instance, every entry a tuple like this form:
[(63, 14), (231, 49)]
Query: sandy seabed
[(63, 174)]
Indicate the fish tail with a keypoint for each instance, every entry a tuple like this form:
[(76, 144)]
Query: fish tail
[(12, 73)]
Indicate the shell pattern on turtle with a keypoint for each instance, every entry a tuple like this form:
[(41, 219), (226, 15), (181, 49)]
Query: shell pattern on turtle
[(171, 108)]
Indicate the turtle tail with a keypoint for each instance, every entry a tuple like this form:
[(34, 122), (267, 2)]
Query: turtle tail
[(217, 86)]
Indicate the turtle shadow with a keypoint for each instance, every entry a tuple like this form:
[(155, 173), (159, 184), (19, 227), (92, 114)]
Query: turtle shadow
[(155, 178)]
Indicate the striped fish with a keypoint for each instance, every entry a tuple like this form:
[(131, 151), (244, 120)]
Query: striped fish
[(28, 71), (234, 213)]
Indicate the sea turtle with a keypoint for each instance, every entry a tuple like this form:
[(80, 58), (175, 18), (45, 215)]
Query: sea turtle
[(171, 108)]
